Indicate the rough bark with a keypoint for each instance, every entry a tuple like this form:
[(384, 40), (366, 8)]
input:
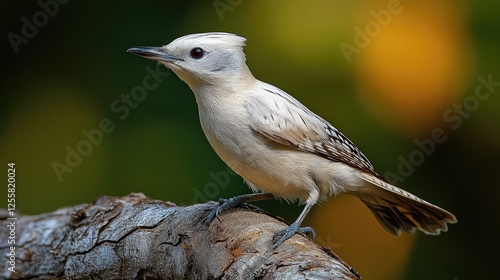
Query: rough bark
[(135, 237)]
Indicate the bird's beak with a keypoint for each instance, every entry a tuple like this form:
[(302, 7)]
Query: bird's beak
[(154, 53)]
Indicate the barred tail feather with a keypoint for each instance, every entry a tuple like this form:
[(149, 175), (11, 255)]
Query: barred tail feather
[(397, 210)]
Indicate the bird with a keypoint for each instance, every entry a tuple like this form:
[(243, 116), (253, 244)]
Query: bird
[(277, 145)]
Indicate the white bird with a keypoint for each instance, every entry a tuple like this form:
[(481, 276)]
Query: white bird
[(280, 147)]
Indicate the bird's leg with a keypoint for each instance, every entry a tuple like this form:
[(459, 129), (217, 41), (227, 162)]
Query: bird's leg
[(283, 234), (228, 203)]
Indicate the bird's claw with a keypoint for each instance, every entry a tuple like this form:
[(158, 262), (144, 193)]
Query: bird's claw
[(283, 234), (224, 204)]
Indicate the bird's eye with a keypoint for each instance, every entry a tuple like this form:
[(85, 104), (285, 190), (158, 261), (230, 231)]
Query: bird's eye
[(197, 53)]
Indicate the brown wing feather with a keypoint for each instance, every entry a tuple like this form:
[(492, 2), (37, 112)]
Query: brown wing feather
[(286, 121)]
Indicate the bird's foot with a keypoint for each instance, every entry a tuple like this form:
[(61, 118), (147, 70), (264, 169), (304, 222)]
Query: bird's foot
[(224, 204), (283, 234)]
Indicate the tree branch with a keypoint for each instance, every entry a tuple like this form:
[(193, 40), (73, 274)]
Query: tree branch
[(135, 237)]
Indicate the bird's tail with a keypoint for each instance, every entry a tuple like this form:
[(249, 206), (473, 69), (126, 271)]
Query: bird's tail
[(397, 210)]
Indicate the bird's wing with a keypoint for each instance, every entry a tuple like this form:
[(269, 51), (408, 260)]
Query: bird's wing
[(282, 119)]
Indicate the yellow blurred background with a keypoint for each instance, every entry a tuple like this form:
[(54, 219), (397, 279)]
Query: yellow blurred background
[(412, 83)]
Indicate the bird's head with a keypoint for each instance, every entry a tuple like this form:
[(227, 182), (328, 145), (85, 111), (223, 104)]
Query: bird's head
[(201, 59)]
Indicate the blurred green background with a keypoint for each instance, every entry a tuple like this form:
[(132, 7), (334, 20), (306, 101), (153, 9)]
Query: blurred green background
[(388, 74)]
